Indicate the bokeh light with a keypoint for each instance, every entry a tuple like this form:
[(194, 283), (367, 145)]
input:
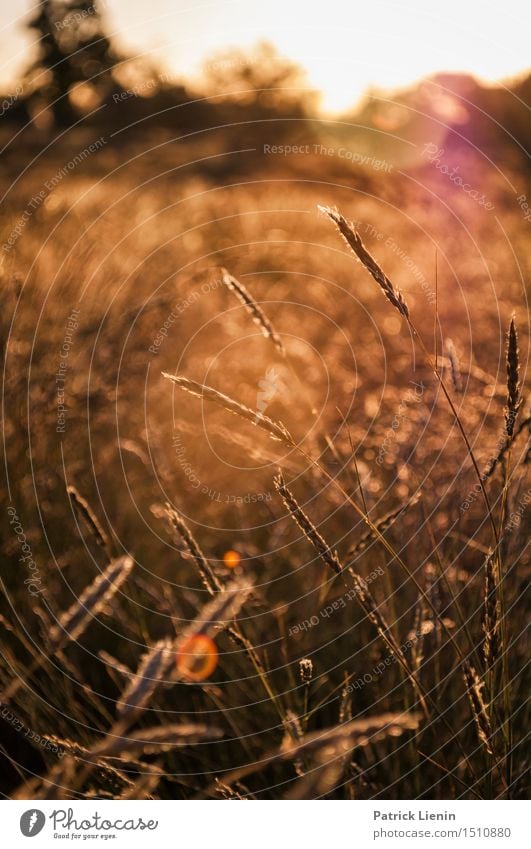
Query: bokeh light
[(197, 658)]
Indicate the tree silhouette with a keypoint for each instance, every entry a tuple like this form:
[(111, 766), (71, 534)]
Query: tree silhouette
[(75, 57)]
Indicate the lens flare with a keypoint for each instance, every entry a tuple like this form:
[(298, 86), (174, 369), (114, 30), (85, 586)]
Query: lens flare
[(231, 559), (197, 658)]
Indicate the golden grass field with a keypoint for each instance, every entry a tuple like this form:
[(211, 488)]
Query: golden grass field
[(346, 654)]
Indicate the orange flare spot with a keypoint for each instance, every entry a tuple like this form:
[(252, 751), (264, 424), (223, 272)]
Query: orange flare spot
[(197, 658), (231, 559)]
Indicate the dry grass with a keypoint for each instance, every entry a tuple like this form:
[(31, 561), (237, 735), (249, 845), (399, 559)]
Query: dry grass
[(87, 515), (149, 675), (513, 380), (474, 687), (92, 600), (491, 620), (401, 695)]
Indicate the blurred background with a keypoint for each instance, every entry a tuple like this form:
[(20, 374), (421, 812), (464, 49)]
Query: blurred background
[(383, 69)]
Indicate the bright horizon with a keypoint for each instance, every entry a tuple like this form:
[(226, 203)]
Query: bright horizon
[(386, 45)]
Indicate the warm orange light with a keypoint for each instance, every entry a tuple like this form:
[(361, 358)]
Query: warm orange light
[(197, 658), (231, 559)]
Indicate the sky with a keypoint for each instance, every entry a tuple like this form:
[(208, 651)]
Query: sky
[(346, 46)]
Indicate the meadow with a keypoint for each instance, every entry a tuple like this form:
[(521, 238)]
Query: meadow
[(293, 567)]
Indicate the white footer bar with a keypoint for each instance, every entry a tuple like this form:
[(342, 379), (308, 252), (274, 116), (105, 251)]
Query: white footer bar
[(271, 825)]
